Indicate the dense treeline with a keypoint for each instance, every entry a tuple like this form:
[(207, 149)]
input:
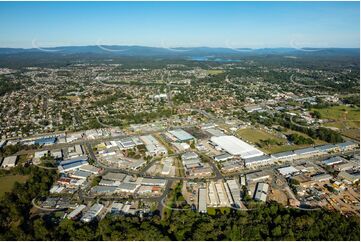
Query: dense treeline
[(9, 86), (321, 133), (266, 222), (15, 215)]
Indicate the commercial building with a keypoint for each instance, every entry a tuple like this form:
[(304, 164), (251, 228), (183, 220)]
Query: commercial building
[(261, 192), (236, 147), (9, 161), (92, 213)]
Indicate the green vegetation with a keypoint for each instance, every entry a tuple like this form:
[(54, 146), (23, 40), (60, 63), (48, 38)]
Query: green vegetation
[(270, 221), (300, 140), (341, 116), (7, 182)]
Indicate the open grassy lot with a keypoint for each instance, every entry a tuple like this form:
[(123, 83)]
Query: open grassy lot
[(254, 136), (214, 72), (7, 182), (341, 116)]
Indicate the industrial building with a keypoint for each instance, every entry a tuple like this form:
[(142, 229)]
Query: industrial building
[(179, 135), (282, 156), (333, 161), (9, 161), (321, 177), (45, 141), (235, 193), (128, 187), (223, 157), (114, 176), (92, 213), (76, 212), (235, 146), (261, 192), (232, 166), (153, 146), (349, 177), (288, 171), (258, 161), (202, 200)]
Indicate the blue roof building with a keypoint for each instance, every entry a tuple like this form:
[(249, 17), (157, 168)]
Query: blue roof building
[(45, 141)]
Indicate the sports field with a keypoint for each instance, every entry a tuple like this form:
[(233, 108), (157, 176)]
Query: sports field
[(7, 182)]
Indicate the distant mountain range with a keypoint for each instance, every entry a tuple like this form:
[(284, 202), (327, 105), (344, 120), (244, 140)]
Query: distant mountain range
[(143, 51)]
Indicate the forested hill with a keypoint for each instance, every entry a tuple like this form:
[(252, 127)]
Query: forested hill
[(270, 221)]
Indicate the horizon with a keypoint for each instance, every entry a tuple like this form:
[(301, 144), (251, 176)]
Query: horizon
[(232, 25)]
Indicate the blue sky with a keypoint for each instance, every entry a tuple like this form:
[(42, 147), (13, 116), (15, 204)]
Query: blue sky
[(172, 24)]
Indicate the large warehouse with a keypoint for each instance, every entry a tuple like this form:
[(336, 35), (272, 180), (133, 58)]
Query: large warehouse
[(235, 146)]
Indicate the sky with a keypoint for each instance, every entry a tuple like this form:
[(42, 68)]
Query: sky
[(180, 24)]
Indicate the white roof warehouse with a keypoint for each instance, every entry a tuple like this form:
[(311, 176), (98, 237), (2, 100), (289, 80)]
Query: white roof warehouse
[(235, 146)]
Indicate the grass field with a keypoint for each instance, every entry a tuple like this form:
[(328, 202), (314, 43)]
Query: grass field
[(342, 116), (7, 182), (254, 136), (215, 72)]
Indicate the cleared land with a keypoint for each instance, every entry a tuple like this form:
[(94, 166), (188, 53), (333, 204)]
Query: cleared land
[(7, 182)]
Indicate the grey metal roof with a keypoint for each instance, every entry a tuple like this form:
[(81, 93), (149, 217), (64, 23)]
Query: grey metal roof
[(114, 176), (306, 151), (283, 154)]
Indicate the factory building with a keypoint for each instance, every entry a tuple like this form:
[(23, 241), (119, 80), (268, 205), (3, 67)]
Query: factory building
[(202, 200), (258, 161), (153, 146), (261, 192), (9, 161), (235, 146), (179, 135), (92, 213), (76, 212)]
